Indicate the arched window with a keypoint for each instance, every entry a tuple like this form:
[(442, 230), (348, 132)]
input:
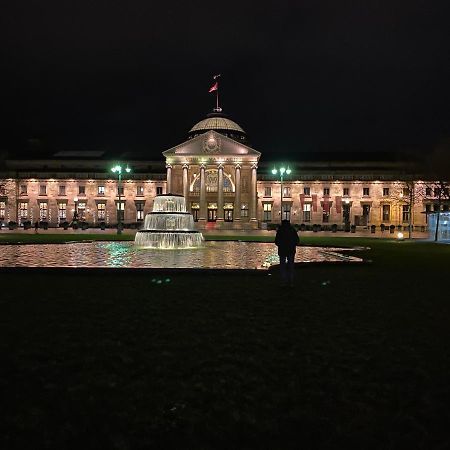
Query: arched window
[(211, 180)]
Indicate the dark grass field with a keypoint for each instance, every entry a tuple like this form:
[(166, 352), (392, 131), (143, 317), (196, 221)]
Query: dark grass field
[(355, 356)]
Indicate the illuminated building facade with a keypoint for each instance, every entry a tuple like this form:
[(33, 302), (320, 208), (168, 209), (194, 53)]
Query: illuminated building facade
[(225, 184)]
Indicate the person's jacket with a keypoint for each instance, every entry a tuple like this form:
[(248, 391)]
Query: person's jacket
[(286, 239)]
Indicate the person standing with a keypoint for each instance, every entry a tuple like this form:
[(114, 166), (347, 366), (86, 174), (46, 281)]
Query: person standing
[(287, 240)]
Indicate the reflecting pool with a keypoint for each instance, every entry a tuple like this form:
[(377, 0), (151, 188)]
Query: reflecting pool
[(213, 255)]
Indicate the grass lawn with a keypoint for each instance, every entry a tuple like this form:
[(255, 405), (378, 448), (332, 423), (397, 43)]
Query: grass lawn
[(356, 356)]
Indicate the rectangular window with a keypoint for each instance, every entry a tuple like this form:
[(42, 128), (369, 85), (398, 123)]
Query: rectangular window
[(120, 208), (307, 212), (101, 190), (366, 191), (42, 189), (267, 212), (405, 192), (23, 189), (405, 213), (43, 209), (82, 190), (140, 191), (326, 192), (385, 192), (286, 213), (139, 211), (286, 191), (386, 213), (428, 192), (2, 189), (307, 190), (62, 189), (120, 190), (346, 192), (159, 190), (244, 210), (2, 210), (267, 191), (437, 192), (81, 210), (62, 211), (23, 210), (101, 211)]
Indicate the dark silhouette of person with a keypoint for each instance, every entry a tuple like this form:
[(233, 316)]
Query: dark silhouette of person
[(286, 240)]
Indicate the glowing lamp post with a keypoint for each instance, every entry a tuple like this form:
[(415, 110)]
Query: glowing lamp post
[(117, 169), (281, 171)]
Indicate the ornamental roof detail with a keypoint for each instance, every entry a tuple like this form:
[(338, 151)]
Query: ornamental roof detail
[(212, 143)]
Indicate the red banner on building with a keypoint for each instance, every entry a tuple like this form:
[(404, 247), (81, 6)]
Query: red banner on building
[(338, 204)]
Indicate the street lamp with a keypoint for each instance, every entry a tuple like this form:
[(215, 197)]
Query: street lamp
[(75, 213), (118, 170), (281, 171)]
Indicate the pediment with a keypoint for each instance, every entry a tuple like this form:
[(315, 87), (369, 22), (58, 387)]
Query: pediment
[(211, 143)]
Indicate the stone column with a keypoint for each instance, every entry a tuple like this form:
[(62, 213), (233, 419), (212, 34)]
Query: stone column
[(220, 193), (237, 193), (169, 179), (185, 183), (202, 212), (254, 194)]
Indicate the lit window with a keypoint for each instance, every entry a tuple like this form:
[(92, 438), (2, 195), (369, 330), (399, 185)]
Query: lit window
[(244, 210), (267, 212), (307, 212), (2, 210), (286, 211), (23, 210), (101, 190), (140, 191), (101, 211), (139, 211), (286, 191), (62, 211), (43, 208), (405, 213)]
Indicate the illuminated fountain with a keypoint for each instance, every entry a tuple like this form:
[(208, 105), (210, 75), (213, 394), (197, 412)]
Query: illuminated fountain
[(169, 225)]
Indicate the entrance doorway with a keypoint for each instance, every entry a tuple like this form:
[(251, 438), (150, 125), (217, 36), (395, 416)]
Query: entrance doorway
[(228, 215), (212, 215)]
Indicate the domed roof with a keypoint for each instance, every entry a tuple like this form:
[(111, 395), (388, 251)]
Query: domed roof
[(216, 122), (219, 122)]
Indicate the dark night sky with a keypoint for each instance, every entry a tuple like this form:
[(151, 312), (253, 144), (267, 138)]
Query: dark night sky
[(297, 76)]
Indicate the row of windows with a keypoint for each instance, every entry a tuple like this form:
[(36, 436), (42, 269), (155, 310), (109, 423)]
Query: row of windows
[(82, 190), (429, 192)]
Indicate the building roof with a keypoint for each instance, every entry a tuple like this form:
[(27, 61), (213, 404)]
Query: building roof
[(216, 122)]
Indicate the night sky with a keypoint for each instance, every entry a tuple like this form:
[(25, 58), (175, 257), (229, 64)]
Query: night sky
[(297, 76)]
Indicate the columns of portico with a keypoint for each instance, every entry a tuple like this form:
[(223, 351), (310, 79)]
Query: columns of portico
[(202, 211), (220, 193), (185, 182), (237, 193), (169, 179), (254, 194)]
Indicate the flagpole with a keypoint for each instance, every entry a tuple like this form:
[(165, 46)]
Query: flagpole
[(217, 97)]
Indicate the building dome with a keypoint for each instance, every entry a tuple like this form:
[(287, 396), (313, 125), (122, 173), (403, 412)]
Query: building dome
[(222, 124)]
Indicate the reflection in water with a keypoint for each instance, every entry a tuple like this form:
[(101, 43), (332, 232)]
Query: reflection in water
[(214, 255)]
